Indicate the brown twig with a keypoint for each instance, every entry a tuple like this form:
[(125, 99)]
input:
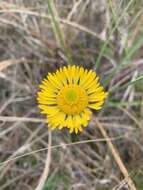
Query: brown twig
[(116, 156), (6, 63)]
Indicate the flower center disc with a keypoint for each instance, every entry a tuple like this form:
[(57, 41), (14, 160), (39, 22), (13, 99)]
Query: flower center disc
[(71, 96), (72, 99)]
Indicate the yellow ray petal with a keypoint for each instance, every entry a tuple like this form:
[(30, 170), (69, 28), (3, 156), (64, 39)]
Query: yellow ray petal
[(49, 110), (61, 77), (57, 120), (87, 78), (85, 117), (96, 106), (47, 93), (71, 129), (47, 86), (67, 74), (97, 97), (46, 100), (53, 80), (69, 121), (77, 120)]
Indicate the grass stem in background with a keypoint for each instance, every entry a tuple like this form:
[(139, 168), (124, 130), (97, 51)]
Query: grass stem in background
[(59, 34), (111, 33), (117, 157)]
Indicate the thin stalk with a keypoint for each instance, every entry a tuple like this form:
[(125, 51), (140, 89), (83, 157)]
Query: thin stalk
[(111, 33), (59, 34)]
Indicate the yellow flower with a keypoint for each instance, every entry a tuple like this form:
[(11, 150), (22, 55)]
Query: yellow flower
[(68, 95)]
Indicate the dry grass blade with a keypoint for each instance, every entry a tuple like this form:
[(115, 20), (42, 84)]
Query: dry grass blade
[(116, 157), (36, 38), (59, 34), (76, 4), (5, 168), (82, 28), (67, 22), (132, 117), (61, 146), (21, 119), (6, 63), (47, 165)]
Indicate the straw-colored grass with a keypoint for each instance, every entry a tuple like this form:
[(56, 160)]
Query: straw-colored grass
[(37, 37)]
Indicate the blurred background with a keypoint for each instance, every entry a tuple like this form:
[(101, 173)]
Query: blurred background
[(39, 36)]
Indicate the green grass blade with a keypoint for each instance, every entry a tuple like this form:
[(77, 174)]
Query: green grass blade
[(117, 104), (131, 51), (127, 84), (111, 33)]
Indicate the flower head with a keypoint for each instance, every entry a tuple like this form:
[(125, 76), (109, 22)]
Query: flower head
[(68, 96)]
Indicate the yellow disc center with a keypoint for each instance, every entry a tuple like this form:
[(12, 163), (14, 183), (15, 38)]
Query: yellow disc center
[(72, 99), (71, 96)]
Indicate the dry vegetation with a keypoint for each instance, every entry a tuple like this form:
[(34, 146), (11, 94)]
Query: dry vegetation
[(100, 34)]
